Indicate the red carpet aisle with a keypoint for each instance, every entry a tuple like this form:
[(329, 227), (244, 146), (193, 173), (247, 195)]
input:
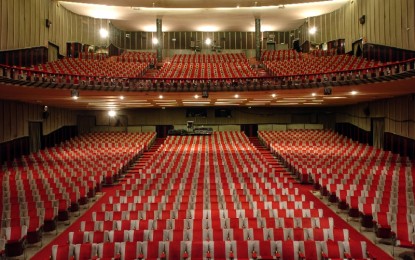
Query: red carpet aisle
[(62, 238)]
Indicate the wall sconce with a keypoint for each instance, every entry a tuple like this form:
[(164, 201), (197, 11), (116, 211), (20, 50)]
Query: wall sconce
[(48, 23), (74, 94)]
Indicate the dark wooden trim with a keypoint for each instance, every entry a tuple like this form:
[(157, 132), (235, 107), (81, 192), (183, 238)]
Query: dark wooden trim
[(386, 53), (355, 133), (24, 57), (13, 149)]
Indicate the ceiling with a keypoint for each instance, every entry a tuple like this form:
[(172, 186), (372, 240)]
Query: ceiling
[(203, 15), (110, 100)]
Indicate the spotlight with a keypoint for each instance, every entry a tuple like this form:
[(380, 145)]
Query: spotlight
[(112, 113), (122, 97), (208, 41), (155, 41), (353, 92), (273, 95), (74, 94)]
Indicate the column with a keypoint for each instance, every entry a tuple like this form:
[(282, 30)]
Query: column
[(160, 40), (258, 39)]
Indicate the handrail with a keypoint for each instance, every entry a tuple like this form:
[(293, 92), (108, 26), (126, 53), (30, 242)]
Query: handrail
[(390, 69)]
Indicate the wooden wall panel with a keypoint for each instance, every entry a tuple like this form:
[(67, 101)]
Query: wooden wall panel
[(2, 120), (388, 22), (399, 114), (14, 118), (6, 121)]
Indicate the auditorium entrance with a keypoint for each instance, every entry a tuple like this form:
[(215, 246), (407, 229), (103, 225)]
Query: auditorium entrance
[(378, 131), (35, 136), (250, 130), (163, 130)]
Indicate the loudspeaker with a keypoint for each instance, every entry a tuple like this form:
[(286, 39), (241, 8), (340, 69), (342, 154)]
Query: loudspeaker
[(296, 45), (362, 19), (45, 114), (366, 111)]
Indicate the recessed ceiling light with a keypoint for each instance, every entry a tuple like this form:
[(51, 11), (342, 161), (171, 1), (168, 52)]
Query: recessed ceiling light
[(353, 92)]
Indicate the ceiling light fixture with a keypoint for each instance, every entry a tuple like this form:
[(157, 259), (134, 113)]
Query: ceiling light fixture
[(353, 92), (236, 96), (155, 41), (208, 41), (274, 95), (160, 96), (122, 97)]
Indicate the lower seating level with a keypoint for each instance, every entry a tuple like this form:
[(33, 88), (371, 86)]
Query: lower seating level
[(210, 197)]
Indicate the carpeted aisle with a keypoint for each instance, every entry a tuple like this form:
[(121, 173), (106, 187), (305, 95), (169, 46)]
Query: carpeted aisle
[(375, 251), (62, 238)]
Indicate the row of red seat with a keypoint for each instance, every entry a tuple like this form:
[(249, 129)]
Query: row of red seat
[(318, 65), (289, 249), (209, 58), (139, 56), (217, 189), (95, 68), (94, 233), (273, 55), (366, 181), (42, 188), (206, 70)]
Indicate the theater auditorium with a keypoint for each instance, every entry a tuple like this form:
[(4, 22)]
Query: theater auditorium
[(220, 129)]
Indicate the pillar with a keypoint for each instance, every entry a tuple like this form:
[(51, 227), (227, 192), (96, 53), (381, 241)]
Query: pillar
[(160, 40), (258, 39)]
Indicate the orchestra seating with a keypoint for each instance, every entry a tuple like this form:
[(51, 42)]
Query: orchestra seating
[(208, 197), (369, 183), (207, 66), (42, 188)]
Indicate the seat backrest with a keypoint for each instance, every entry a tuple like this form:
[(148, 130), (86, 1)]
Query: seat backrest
[(62, 252)]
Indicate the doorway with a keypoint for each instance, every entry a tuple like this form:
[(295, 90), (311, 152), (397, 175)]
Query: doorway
[(163, 130), (378, 131), (250, 130), (35, 136)]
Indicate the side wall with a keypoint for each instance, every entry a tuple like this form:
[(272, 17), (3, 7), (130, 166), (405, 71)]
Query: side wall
[(399, 114), (387, 22), (15, 117), (23, 25)]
